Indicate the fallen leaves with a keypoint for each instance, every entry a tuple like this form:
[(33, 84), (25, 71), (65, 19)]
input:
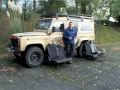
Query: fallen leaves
[(7, 69), (11, 81), (3, 55), (115, 48)]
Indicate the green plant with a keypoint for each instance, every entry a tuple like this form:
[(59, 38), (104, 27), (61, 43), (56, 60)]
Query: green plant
[(105, 34)]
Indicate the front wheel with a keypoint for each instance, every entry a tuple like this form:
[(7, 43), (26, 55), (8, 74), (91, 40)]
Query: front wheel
[(34, 56)]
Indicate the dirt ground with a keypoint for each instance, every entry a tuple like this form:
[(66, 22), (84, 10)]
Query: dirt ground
[(82, 74)]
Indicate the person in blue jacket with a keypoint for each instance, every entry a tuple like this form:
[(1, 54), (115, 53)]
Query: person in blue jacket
[(69, 36)]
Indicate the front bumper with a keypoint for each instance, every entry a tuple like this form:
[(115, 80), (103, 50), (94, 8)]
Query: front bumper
[(13, 49)]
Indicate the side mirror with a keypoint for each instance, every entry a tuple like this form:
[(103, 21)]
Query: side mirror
[(53, 29), (62, 27)]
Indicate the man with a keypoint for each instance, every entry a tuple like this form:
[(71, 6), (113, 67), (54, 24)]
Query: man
[(69, 39)]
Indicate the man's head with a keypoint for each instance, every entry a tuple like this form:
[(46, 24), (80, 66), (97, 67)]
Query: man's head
[(70, 25)]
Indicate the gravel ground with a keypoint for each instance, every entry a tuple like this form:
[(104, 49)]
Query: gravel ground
[(82, 74)]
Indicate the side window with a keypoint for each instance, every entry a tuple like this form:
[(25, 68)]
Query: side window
[(61, 27), (58, 26)]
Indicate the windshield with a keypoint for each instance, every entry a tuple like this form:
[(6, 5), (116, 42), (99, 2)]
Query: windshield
[(43, 24)]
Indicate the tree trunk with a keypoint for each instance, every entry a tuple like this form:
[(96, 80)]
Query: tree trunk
[(0, 4), (24, 11), (77, 5), (34, 5), (83, 7), (90, 10), (76, 8)]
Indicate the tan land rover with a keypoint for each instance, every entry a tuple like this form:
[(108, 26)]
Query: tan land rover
[(49, 30)]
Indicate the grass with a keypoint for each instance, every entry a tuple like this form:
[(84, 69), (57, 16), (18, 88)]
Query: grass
[(105, 34), (4, 25)]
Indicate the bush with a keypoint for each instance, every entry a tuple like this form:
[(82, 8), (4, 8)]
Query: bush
[(29, 24), (15, 26)]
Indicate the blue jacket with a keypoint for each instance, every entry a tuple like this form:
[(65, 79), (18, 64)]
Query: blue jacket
[(69, 35)]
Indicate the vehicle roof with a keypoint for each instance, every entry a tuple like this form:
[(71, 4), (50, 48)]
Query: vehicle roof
[(57, 15)]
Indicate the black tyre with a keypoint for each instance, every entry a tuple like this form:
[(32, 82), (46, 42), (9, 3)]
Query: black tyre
[(34, 56), (81, 50)]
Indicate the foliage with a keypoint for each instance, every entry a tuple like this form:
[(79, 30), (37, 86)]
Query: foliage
[(105, 34), (71, 10), (51, 6), (115, 9), (27, 10), (30, 23), (15, 19), (4, 26)]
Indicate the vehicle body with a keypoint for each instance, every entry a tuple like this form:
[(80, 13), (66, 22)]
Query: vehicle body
[(32, 45)]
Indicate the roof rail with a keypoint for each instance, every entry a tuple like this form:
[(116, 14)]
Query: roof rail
[(53, 15)]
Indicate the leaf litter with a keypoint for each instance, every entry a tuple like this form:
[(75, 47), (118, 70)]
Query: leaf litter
[(7, 69)]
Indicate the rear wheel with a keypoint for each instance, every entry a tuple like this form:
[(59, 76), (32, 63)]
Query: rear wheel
[(34, 56), (81, 50)]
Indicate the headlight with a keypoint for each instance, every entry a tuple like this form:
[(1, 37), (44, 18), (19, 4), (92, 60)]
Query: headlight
[(13, 38)]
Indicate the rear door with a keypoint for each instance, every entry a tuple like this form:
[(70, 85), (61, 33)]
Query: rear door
[(86, 29)]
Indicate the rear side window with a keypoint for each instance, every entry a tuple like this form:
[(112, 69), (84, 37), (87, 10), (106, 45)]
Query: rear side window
[(86, 25)]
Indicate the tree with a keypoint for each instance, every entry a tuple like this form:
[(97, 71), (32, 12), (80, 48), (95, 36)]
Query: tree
[(0, 4), (81, 6), (115, 9), (34, 5), (27, 9), (50, 6)]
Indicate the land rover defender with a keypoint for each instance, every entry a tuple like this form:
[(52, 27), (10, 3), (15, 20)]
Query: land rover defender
[(49, 30)]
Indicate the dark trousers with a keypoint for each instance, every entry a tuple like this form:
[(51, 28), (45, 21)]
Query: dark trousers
[(70, 49)]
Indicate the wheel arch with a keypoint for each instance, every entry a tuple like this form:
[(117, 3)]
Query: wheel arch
[(84, 41), (81, 47), (33, 45)]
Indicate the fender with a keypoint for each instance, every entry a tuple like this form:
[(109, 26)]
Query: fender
[(36, 42)]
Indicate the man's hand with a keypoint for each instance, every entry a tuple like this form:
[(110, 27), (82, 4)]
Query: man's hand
[(70, 38)]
